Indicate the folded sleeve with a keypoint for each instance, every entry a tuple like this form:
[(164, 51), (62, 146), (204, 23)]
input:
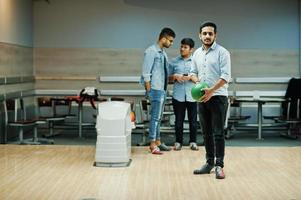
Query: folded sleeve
[(148, 63), (225, 65)]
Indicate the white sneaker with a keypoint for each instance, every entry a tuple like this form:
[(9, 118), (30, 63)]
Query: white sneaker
[(178, 146), (194, 146)]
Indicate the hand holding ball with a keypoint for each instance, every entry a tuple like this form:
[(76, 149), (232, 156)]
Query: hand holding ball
[(197, 91)]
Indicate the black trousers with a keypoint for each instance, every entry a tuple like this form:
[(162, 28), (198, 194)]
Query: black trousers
[(212, 116), (179, 110)]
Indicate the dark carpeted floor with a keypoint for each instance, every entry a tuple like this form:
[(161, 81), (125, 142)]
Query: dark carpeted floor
[(242, 138)]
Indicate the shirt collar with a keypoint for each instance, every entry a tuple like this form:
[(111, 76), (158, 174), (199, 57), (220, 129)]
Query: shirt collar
[(186, 59), (213, 46), (158, 48)]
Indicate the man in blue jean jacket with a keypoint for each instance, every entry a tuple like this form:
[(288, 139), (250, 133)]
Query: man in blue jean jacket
[(155, 78)]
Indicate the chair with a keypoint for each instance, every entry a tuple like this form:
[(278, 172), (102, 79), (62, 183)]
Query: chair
[(168, 113), (21, 121), (80, 101), (291, 107), (142, 112), (233, 117), (141, 120), (48, 105)]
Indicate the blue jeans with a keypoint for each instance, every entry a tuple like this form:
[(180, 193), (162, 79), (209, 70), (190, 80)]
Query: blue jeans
[(157, 100)]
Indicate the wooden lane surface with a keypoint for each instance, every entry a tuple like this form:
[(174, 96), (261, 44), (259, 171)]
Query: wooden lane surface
[(67, 172)]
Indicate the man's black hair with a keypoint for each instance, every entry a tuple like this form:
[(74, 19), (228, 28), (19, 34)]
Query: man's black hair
[(208, 23), (188, 41), (167, 32)]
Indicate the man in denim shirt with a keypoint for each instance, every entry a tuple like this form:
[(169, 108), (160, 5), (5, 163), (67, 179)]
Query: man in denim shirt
[(212, 65), (155, 78), (180, 68)]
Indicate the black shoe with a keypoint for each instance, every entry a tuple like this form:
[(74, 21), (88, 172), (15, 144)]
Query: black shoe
[(219, 172), (163, 147), (205, 169)]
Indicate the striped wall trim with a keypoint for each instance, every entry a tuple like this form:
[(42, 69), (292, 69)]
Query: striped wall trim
[(13, 80), (137, 93), (16, 80), (25, 79), (2, 80), (102, 92), (122, 79), (13, 95), (122, 92), (17, 94), (280, 93), (27, 93), (66, 78), (262, 79), (56, 92), (119, 79)]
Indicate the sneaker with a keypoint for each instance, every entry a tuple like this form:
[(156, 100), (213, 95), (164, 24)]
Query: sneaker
[(194, 146), (205, 169), (219, 172), (163, 147), (178, 146)]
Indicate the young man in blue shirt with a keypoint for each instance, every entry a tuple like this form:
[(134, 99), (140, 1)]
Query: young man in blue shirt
[(180, 68), (212, 65), (155, 78)]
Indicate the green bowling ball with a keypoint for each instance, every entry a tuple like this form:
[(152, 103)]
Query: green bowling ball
[(197, 90)]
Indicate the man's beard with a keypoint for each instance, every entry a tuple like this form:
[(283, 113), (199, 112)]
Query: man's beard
[(166, 46), (208, 44)]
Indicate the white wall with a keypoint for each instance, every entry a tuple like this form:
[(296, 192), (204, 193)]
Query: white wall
[(242, 24), (16, 20)]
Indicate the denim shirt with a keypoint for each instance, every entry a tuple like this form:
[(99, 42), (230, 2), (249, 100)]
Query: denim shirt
[(153, 67), (181, 91), (212, 65)]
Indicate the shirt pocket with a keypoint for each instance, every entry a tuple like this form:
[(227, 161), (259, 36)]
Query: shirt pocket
[(158, 61), (177, 70)]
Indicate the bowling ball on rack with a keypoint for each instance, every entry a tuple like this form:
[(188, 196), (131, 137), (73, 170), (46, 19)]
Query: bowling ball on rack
[(132, 116), (197, 90)]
